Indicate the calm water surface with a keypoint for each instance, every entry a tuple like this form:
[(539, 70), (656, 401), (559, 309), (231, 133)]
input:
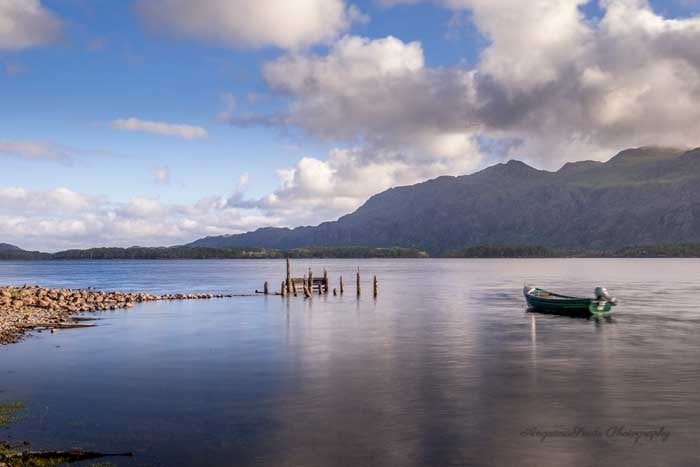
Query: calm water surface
[(445, 368)]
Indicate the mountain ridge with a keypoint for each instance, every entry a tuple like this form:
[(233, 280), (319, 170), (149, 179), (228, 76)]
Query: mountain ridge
[(646, 195)]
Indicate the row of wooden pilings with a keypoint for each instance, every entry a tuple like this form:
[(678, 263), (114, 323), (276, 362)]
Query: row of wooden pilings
[(290, 286)]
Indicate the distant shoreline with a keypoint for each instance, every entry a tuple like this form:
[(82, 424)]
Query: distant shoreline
[(190, 253), (493, 251)]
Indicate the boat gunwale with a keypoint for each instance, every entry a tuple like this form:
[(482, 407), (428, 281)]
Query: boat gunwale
[(555, 297)]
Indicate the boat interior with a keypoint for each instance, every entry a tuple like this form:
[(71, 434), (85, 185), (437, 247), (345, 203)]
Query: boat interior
[(540, 293)]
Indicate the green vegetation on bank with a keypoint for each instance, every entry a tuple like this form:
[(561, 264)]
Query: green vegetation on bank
[(530, 251), (21, 456), (185, 252), (660, 251), (503, 251), (478, 251), (8, 411), (21, 255)]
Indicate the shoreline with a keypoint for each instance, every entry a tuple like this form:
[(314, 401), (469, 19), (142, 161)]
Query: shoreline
[(486, 251), (30, 307), (406, 258)]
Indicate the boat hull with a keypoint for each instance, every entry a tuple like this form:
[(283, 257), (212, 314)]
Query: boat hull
[(566, 305)]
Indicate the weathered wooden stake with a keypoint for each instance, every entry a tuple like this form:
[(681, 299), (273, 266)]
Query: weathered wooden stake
[(311, 280), (289, 277), (283, 289), (341, 285), (376, 287), (294, 288), (307, 292), (325, 281), (358, 282), (266, 289), (335, 291)]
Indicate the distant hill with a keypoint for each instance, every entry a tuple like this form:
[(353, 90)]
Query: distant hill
[(644, 196), (12, 252)]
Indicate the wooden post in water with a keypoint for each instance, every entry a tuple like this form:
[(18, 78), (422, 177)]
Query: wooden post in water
[(325, 281), (341, 285), (294, 288), (289, 277), (266, 289), (358, 282), (283, 289), (376, 287), (307, 292), (311, 280), (335, 291)]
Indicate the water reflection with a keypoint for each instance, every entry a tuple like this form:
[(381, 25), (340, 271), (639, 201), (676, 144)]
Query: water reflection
[(430, 373), (598, 318)]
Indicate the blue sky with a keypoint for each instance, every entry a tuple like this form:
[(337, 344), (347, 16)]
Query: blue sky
[(108, 65), (300, 119)]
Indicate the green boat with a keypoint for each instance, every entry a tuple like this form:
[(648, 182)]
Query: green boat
[(542, 300)]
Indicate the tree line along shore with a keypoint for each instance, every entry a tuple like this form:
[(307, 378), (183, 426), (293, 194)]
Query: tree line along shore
[(477, 251), (530, 251), (186, 252)]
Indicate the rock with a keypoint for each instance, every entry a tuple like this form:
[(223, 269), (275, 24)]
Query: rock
[(28, 307)]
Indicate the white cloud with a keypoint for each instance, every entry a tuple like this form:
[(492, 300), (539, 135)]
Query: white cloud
[(169, 129), (630, 80), (142, 207), (379, 94), (161, 175), (26, 23), (552, 85), (530, 43), (61, 200), (61, 218), (403, 122), (242, 23), (243, 181), (34, 150)]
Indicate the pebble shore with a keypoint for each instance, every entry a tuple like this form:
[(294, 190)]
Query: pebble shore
[(30, 307)]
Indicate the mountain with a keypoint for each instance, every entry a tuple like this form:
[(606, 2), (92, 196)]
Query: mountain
[(12, 252), (642, 196)]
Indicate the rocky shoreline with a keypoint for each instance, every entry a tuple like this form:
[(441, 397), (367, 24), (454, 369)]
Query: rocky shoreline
[(30, 307)]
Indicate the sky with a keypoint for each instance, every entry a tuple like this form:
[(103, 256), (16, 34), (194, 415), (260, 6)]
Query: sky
[(157, 122)]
